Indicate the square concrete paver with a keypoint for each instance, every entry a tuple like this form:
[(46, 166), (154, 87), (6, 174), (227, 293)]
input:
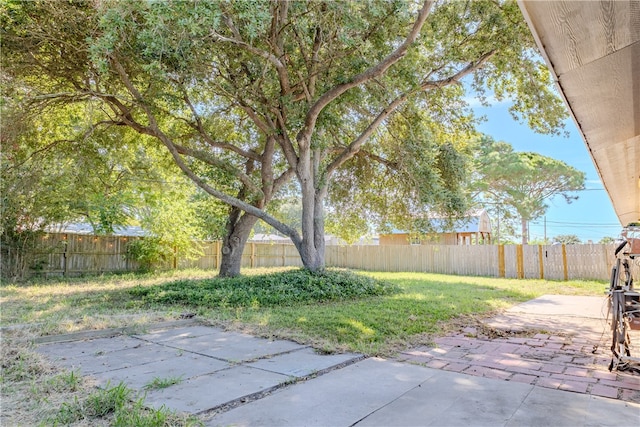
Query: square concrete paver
[(452, 399), (549, 407), (183, 366), (209, 391), (166, 334), (338, 398), (90, 357), (301, 363), (229, 346), (87, 347)]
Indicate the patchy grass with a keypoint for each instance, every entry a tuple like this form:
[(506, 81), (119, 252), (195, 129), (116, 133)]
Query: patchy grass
[(383, 325), (360, 312), (119, 406), (370, 313), (37, 393), (158, 383)]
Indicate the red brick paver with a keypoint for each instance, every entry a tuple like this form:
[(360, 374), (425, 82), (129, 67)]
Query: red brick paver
[(543, 360)]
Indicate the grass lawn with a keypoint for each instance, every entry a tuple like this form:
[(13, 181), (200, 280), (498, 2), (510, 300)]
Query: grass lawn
[(370, 313), (362, 320)]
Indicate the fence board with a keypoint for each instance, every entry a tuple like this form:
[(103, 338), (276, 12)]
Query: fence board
[(69, 254)]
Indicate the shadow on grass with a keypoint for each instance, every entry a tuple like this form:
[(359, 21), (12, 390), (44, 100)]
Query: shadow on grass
[(358, 312)]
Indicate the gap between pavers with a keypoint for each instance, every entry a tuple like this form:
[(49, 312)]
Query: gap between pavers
[(213, 368), (379, 392)]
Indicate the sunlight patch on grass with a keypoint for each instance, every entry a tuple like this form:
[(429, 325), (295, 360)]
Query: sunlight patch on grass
[(361, 328)]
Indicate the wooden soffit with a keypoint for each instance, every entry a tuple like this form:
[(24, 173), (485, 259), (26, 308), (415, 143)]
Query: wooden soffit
[(593, 50)]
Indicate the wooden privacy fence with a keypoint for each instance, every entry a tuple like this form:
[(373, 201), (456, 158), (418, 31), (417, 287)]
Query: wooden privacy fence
[(72, 254)]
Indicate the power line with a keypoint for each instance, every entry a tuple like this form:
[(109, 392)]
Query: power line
[(571, 223)]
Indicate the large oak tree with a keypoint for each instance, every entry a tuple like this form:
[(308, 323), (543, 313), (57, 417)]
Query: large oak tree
[(257, 93)]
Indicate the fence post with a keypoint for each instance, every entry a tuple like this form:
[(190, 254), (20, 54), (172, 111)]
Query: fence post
[(253, 255), (217, 255), (520, 261), (541, 260), (65, 267), (175, 257), (564, 262), (501, 266)]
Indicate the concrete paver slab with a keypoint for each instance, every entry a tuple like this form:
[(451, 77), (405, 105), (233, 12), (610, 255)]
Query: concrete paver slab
[(564, 305), (73, 349), (209, 391), (545, 407), (231, 346), (165, 334), (338, 398), (452, 399), (92, 360), (303, 362), (183, 366)]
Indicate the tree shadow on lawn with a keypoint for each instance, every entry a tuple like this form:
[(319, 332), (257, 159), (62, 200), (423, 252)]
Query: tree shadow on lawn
[(370, 320)]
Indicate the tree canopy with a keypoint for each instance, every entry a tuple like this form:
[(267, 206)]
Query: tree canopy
[(248, 95), (55, 170), (567, 239)]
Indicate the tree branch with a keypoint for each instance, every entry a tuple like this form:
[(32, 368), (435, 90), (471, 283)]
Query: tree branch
[(304, 136), (353, 148), (224, 165), (205, 135), (281, 69)]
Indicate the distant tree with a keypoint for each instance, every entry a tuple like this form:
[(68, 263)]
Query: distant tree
[(567, 239), (607, 240), (521, 182), (56, 168), (538, 242)]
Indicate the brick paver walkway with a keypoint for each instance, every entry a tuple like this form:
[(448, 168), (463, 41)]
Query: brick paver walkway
[(552, 361)]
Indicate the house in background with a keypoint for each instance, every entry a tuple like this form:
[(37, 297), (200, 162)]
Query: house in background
[(87, 229), (329, 240), (475, 229)]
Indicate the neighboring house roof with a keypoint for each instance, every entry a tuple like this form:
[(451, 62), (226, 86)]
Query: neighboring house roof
[(84, 228), (261, 238), (266, 238)]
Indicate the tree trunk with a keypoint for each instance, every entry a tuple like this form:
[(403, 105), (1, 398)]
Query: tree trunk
[(312, 246), (239, 227), (525, 231)]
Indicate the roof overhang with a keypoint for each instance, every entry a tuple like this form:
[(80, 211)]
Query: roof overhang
[(593, 50)]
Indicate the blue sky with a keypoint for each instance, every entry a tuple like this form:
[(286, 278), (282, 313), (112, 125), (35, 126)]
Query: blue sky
[(591, 217)]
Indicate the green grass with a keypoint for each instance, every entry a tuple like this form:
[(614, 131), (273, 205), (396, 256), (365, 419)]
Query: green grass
[(372, 313), (382, 325), (119, 405), (158, 383), (369, 313)]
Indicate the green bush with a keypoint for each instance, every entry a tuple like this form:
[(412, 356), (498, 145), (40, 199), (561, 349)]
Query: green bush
[(286, 288), (149, 252)]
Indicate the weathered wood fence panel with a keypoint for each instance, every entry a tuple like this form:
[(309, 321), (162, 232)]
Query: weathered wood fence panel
[(74, 254), (70, 254)]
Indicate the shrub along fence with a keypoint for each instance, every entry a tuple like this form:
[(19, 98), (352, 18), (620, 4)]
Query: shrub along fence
[(73, 255)]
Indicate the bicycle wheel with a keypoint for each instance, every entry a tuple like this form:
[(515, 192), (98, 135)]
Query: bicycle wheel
[(620, 329)]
